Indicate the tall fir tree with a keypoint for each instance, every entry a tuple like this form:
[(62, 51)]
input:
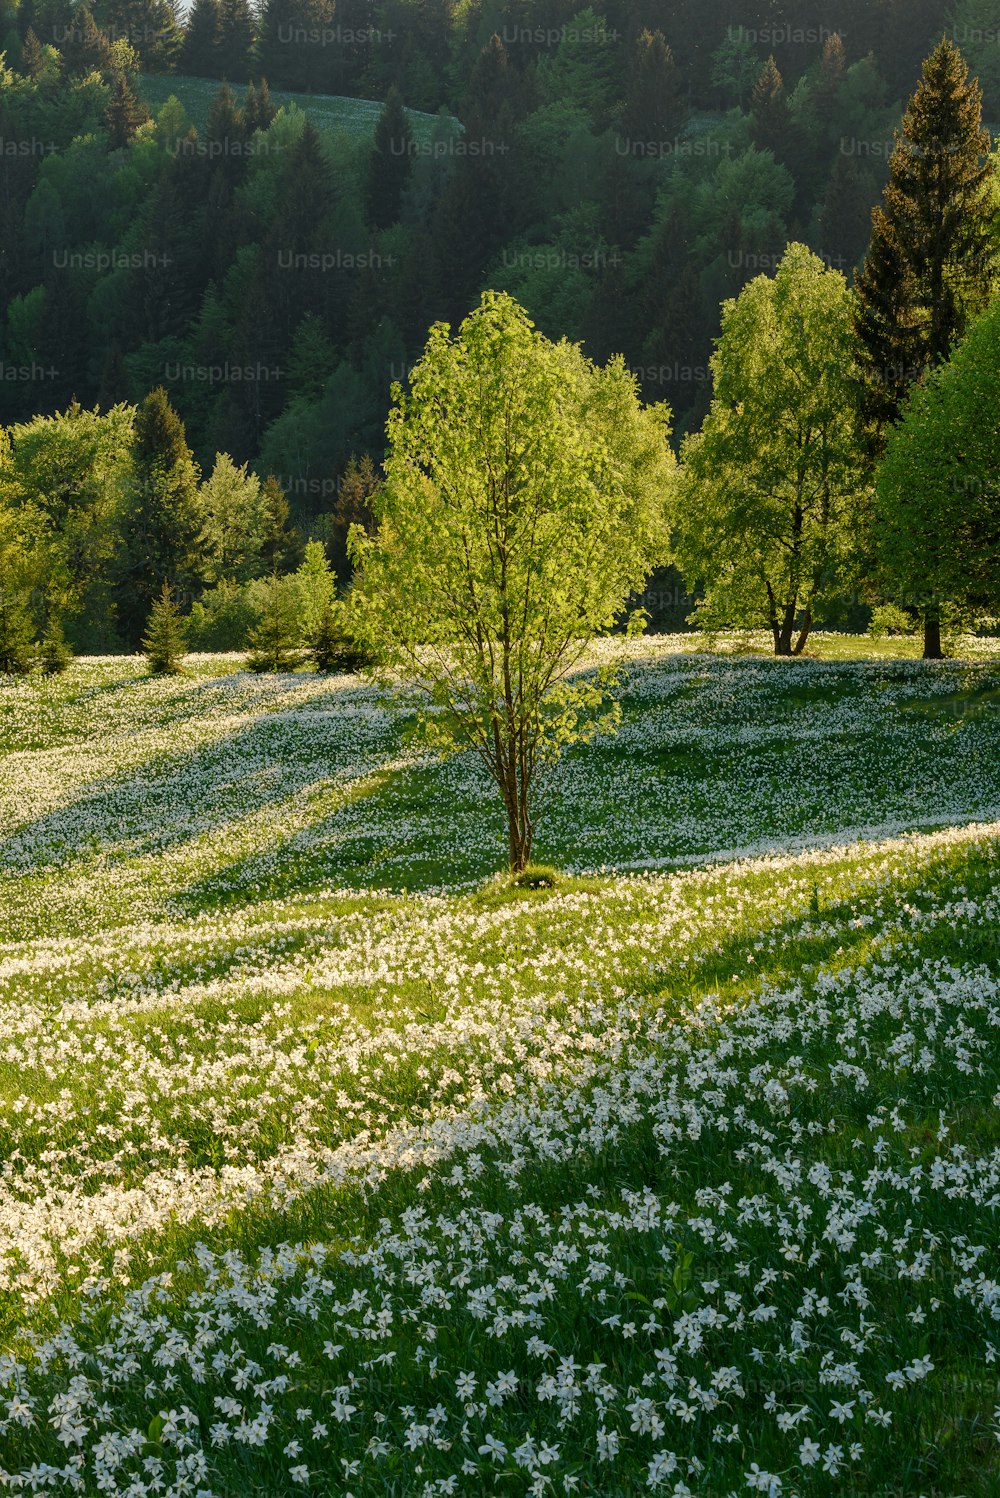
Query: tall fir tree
[(931, 265), (200, 52), (236, 40)]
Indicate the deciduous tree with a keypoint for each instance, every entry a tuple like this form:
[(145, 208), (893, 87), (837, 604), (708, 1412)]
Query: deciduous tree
[(522, 506)]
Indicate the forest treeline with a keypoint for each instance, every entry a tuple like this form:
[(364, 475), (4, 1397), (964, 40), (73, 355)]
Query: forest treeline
[(621, 172), (251, 292)]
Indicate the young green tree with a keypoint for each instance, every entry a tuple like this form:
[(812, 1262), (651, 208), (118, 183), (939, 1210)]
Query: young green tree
[(317, 588), (279, 540), (523, 505), (275, 638), (773, 484), (334, 646), (931, 264), (164, 640), (232, 521), (54, 655), (938, 488)]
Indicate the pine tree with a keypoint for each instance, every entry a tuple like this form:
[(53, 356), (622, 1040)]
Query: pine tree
[(391, 163), (163, 641), (225, 124), (769, 106), (17, 634), (930, 267), (34, 58), (334, 647), (273, 641)]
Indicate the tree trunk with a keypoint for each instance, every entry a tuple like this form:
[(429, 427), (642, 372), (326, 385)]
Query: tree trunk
[(783, 640), (519, 833), (800, 643), (932, 634)]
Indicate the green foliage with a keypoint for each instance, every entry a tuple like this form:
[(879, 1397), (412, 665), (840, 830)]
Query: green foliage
[(222, 618), (334, 645), (165, 639), (522, 506), (938, 515), (931, 263), (17, 634), (275, 638), (317, 589), (232, 522), (161, 522), (774, 485), (391, 163), (889, 620), (54, 654)]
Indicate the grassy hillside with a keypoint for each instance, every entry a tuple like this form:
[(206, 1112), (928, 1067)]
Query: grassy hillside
[(356, 117), (680, 1181)]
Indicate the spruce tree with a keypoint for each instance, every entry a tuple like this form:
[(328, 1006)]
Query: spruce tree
[(236, 39), (53, 653), (278, 539), (124, 113), (274, 639), (931, 264), (163, 641), (391, 163), (200, 54)]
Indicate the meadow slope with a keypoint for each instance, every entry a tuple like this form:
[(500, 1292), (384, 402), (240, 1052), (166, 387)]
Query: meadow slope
[(332, 1165)]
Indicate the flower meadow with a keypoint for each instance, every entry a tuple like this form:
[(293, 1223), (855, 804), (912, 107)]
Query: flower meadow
[(333, 1165)]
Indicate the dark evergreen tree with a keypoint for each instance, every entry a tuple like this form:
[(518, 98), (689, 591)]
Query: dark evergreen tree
[(85, 49), (200, 51), (930, 266), (235, 40), (653, 109), (124, 113), (162, 525), (769, 107), (258, 108), (390, 164)]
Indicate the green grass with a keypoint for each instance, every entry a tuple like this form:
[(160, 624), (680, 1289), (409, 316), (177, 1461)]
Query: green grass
[(292, 1153), (328, 112)]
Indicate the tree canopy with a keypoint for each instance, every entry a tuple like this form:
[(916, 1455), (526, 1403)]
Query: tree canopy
[(522, 506)]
